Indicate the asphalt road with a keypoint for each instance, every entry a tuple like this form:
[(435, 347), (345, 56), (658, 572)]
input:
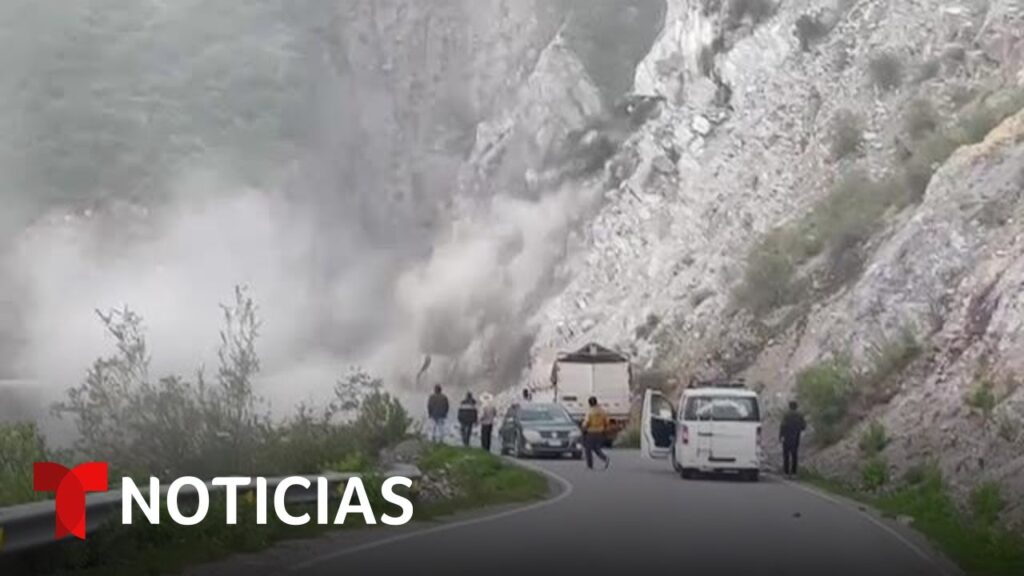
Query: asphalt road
[(636, 517)]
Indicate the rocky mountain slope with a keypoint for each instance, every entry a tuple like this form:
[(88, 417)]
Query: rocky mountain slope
[(827, 184)]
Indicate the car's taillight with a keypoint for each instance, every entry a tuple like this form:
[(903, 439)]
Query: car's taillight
[(684, 434)]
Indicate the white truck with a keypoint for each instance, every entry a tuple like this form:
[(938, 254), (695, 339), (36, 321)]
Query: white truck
[(593, 371)]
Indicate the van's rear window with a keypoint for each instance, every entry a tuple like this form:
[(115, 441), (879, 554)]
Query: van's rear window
[(723, 408)]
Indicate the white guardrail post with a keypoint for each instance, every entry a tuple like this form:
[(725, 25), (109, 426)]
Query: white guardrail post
[(32, 525)]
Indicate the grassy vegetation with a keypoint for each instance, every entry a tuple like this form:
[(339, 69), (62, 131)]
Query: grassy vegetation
[(480, 479), (874, 474), (833, 394), (846, 218), (974, 540)]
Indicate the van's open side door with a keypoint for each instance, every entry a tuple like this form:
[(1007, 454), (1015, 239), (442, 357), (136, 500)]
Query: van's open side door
[(657, 426)]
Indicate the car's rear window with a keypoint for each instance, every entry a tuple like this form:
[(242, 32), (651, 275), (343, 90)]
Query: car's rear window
[(723, 408), (550, 414)]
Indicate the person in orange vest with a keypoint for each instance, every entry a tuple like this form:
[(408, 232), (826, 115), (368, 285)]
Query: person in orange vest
[(595, 427)]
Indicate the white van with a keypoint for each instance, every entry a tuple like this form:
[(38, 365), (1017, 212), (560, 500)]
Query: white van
[(712, 429)]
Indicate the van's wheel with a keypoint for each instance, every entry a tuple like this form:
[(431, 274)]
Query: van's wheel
[(675, 463)]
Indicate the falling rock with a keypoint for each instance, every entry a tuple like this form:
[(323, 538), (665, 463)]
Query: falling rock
[(663, 165), (701, 125)]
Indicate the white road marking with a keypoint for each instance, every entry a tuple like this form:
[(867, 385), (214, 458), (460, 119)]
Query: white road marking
[(930, 558), (567, 489)]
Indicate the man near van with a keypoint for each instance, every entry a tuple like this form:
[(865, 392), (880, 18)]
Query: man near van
[(437, 411), (793, 425), (595, 428)]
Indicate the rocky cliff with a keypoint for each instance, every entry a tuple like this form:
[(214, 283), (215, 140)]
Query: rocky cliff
[(832, 184)]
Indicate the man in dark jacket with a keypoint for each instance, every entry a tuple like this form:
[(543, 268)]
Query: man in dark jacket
[(437, 411), (793, 425), (467, 417)]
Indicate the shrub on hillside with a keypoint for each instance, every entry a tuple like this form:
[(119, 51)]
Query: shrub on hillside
[(768, 281), (987, 503), (889, 359), (983, 398), (757, 10), (920, 119), (874, 439), (809, 30), (874, 474), (20, 447), (886, 71), (826, 392), (847, 134)]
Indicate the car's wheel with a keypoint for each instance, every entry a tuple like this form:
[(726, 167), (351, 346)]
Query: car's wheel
[(688, 473), (752, 475), (577, 455)]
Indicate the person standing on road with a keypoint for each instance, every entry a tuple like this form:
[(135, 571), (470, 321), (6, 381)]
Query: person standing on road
[(793, 425), (487, 416), (467, 417), (437, 412), (595, 428)]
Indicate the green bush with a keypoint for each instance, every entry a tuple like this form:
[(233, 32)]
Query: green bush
[(20, 446), (826, 391), (809, 30), (874, 474), (174, 427), (987, 503), (847, 134), (983, 398), (768, 281), (886, 71), (889, 359), (920, 118), (874, 440)]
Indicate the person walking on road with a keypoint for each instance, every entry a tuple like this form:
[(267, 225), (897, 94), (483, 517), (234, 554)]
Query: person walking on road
[(793, 425), (467, 417), (487, 416), (437, 412), (595, 428)]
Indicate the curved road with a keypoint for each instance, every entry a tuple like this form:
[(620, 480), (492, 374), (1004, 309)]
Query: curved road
[(634, 518)]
